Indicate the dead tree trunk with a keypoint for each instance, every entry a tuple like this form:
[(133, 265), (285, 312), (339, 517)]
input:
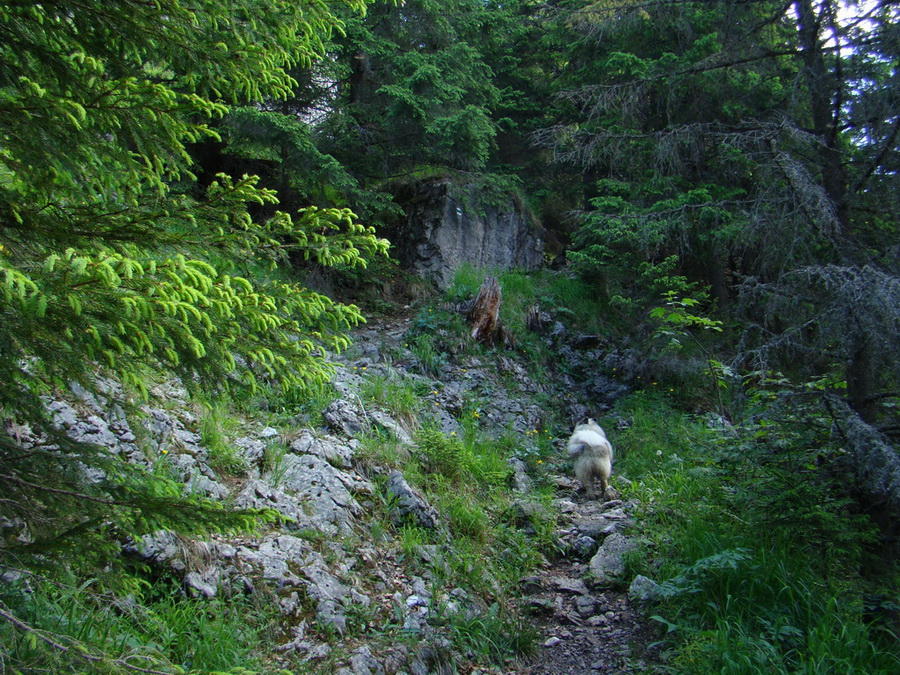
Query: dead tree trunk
[(485, 315)]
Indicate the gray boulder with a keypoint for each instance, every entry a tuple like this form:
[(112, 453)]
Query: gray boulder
[(326, 492), (410, 505), (643, 589), (335, 452), (346, 417), (608, 564), (258, 494)]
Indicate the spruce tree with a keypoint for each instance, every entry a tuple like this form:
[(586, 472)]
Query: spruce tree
[(116, 262)]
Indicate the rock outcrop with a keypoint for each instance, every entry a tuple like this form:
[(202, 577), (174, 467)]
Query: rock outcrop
[(316, 564), (446, 225)]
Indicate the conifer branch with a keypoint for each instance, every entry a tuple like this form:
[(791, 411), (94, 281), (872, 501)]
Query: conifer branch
[(77, 649)]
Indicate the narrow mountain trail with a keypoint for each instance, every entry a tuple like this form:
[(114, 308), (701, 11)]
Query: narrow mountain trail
[(584, 625), (585, 628)]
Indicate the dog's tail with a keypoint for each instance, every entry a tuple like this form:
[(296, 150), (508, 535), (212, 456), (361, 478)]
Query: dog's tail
[(576, 448)]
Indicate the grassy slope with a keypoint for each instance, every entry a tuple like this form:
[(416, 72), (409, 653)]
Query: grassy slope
[(758, 550)]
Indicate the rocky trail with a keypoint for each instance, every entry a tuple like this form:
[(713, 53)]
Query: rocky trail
[(586, 621), (587, 626)]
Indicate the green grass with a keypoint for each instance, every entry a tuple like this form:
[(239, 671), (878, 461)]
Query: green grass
[(494, 635), (306, 402), (752, 582), (224, 457), (396, 396), (466, 478), (561, 294), (432, 360), (72, 629)]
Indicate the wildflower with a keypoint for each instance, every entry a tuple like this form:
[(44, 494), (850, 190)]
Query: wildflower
[(540, 461)]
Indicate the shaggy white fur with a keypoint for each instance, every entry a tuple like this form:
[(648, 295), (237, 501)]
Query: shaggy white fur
[(592, 456)]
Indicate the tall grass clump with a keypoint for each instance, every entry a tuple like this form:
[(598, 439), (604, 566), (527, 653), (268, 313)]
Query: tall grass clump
[(307, 402), (224, 457), (397, 396), (466, 477), (465, 284), (757, 553), (74, 628)]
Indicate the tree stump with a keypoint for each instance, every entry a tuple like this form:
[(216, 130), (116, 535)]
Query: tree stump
[(485, 314)]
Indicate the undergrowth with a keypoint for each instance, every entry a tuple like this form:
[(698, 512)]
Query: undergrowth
[(757, 549), (486, 546), (154, 630), (753, 538)]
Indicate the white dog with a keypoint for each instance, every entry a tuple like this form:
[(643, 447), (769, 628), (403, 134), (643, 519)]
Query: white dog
[(592, 456)]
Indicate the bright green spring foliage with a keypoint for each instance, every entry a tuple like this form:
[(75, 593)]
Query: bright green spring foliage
[(115, 261), (106, 241)]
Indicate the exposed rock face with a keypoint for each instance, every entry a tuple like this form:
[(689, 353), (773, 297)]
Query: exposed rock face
[(410, 504), (447, 226)]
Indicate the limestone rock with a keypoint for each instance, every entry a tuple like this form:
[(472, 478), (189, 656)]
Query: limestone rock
[(345, 417), (385, 421), (258, 494), (335, 452), (251, 449), (521, 481), (274, 558), (410, 505), (447, 226), (364, 663), (325, 491), (608, 565), (643, 589)]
